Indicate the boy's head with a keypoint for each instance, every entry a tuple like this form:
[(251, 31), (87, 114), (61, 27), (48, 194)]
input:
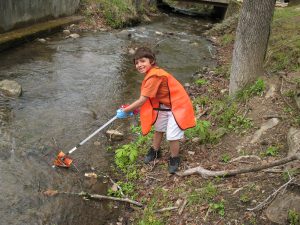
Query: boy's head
[(144, 52)]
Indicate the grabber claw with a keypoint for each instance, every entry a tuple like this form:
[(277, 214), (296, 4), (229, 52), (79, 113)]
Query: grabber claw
[(63, 160)]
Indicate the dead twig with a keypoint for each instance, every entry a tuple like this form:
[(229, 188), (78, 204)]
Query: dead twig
[(88, 196), (269, 199), (180, 211), (166, 209), (203, 113)]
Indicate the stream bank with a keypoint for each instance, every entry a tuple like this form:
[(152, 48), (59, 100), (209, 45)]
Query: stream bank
[(226, 133)]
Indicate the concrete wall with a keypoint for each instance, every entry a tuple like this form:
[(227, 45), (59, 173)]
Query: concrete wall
[(15, 13)]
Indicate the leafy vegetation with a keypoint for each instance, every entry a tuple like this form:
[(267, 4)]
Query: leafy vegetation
[(256, 89), (201, 82), (272, 151), (217, 207), (293, 217), (225, 158), (201, 130), (127, 188), (204, 195), (117, 13), (227, 39)]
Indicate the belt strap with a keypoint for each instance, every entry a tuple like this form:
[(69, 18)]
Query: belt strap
[(161, 109)]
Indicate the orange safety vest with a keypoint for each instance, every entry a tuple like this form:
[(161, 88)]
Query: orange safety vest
[(181, 105)]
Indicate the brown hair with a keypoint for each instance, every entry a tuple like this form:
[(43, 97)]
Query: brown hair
[(144, 52)]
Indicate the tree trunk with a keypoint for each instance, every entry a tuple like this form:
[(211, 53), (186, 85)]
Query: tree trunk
[(251, 43)]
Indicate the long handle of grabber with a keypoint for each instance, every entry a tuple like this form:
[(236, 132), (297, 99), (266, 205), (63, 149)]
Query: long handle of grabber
[(93, 134)]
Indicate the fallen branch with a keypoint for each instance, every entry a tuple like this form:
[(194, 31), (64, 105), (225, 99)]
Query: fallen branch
[(86, 195), (225, 173)]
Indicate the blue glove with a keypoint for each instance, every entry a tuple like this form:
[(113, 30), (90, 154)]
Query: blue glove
[(122, 115)]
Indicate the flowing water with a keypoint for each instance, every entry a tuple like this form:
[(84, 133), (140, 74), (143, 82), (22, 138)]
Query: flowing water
[(70, 88)]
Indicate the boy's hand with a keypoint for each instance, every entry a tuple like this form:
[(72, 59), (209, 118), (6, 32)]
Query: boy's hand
[(122, 115)]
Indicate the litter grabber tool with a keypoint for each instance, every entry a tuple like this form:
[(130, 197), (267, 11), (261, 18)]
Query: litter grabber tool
[(64, 160)]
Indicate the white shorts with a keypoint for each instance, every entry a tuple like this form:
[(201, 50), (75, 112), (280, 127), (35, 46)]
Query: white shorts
[(166, 123)]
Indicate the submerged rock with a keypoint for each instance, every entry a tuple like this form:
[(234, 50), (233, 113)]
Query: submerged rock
[(11, 88), (66, 32), (73, 36)]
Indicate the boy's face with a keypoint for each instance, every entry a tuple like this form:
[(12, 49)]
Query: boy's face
[(143, 65)]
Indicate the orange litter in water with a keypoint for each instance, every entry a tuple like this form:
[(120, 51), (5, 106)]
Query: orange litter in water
[(63, 160)]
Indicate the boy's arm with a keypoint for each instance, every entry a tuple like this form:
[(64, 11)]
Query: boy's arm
[(138, 103)]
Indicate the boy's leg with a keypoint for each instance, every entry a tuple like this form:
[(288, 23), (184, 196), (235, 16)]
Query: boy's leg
[(160, 128), (174, 134), (174, 148), (157, 138)]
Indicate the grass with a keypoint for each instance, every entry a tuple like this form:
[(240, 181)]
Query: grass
[(256, 89), (204, 195), (117, 13), (293, 217), (284, 44)]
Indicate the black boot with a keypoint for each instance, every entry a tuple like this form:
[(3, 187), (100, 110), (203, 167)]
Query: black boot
[(152, 155), (174, 164)]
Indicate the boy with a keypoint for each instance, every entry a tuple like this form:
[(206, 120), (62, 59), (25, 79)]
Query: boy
[(163, 103)]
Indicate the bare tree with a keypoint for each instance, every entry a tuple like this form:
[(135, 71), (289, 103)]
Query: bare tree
[(251, 43)]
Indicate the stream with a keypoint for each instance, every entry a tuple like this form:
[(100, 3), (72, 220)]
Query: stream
[(70, 88)]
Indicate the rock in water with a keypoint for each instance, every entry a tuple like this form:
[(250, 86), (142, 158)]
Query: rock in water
[(11, 88), (114, 135), (74, 36)]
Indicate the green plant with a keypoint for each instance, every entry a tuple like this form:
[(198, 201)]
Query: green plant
[(141, 140), (201, 100), (226, 113), (201, 130), (126, 155), (239, 123), (296, 121), (127, 188), (293, 217), (272, 151), (223, 70), (244, 198), (149, 217), (201, 82), (225, 158), (289, 93), (117, 12), (288, 110), (227, 39), (255, 89), (217, 207), (287, 174), (204, 195)]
